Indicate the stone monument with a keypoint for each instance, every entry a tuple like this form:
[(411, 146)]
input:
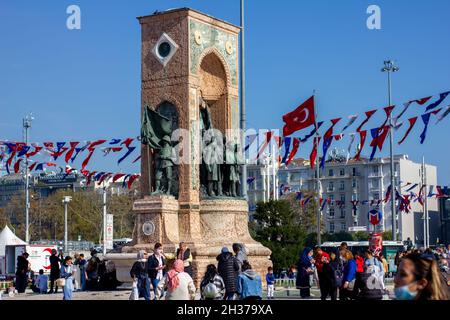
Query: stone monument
[(190, 82)]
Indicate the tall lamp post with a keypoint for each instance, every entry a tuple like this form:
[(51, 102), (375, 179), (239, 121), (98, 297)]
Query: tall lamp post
[(27, 125), (242, 78), (65, 201), (390, 67)]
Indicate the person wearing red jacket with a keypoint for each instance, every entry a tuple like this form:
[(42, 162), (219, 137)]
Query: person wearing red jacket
[(359, 285), (319, 257)]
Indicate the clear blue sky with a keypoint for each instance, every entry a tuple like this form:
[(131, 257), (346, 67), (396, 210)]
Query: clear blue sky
[(85, 84)]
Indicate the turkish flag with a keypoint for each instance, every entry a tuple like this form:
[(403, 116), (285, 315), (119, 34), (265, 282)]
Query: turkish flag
[(300, 118)]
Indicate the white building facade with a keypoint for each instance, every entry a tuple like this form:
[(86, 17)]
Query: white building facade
[(364, 181)]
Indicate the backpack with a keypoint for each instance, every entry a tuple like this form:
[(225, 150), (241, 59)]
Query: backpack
[(338, 275), (210, 290)]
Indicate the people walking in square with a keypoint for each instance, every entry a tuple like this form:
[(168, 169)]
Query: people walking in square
[(139, 273), (318, 257), (55, 268), (22, 269), (418, 278), (92, 272), (177, 283), (212, 286), (156, 265), (82, 265), (184, 254), (270, 280), (249, 285), (304, 272), (349, 275), (67, 272), (228, 268)]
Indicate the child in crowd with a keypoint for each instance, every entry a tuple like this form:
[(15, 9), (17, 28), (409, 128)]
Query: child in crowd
[(270, 279), (42, 282)]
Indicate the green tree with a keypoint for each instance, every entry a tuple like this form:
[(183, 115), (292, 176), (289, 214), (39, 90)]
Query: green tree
[(387, 235), (277, 228), (361, 236), (305, 215)]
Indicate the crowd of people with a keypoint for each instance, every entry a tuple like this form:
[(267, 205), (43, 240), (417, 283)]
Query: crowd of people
[(420, 274), (66, 272), (232, 278)]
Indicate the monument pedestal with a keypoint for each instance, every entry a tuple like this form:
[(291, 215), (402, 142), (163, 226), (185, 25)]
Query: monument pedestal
[(223, 221)]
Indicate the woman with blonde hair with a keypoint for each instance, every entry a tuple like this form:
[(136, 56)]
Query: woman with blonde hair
[(419, 278), (178, 284), (349, 275)]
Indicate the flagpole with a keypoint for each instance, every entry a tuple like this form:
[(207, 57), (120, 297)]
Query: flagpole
[(319, 237), (422, 183), (425, 205)]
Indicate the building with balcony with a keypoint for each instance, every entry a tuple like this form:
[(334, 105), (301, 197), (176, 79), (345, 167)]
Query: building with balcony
[(343, 182)]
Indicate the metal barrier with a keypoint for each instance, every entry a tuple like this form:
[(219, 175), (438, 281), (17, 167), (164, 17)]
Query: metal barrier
[(286, 283)]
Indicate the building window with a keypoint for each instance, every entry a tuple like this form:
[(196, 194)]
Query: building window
[(343, 226), (376, 196), (342, 185), (330, 186), (354, 197), (354, 184), (353, 171), (331, 227), (342, 213), (375, 184), (331, 172), (331, 212), (375, 170), (343, 199), (342, 172), (355, 223)]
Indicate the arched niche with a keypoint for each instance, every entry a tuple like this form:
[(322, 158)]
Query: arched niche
[(213, 88)]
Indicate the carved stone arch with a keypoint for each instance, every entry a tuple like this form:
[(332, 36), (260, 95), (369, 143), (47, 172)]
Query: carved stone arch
[(214, 77), (212, 50)]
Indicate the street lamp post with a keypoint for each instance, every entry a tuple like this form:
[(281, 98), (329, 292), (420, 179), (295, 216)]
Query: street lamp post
[(104, 221), (65, 201), (242, 78), (390, 67), (27, 125)]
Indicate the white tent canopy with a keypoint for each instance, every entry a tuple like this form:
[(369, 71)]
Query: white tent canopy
[(8, 238)]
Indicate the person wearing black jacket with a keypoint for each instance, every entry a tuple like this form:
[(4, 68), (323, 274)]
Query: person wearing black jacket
[(139, 273), (228, 268), (156, 264), (21, 272), (184, 254), (328, 283), (54, 270)]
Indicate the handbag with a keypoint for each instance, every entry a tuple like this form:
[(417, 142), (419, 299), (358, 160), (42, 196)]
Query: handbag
[(351, 285), (134, 295), (60, 282)]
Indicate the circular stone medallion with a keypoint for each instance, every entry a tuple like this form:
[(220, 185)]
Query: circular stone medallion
[(198, 37), (229, 47), (148, 228)]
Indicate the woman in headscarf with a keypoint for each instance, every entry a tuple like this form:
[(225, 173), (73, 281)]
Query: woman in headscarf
[(305, 269), (177, 283), (139, 273)]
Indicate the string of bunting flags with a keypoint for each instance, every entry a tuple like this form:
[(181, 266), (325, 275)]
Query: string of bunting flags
[(13, 154), (303, 117), (404, 200)]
